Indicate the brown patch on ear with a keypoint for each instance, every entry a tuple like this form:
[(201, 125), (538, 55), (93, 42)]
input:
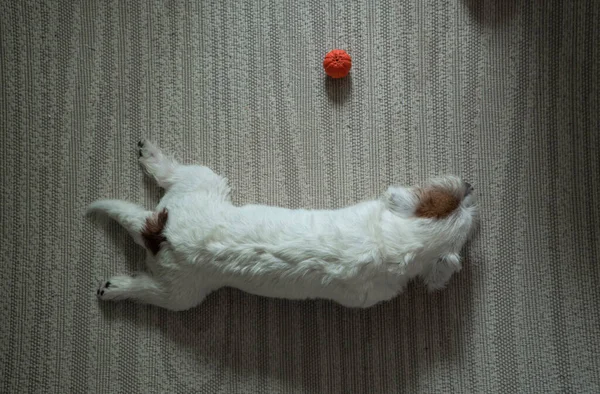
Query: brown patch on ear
[(153, 230), (436, 204)]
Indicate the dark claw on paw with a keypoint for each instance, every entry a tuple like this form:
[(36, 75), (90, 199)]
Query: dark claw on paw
[(107, 284), (140, 144), (102, 292), (97, 292)]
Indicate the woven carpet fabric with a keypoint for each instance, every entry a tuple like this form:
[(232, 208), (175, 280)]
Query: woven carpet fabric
[(504, 93)]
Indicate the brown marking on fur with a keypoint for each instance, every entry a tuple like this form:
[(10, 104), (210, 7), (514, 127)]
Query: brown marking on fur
[(153, 230), (436, 204)]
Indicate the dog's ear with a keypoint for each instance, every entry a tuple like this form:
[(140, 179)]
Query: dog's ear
[(401, 201)]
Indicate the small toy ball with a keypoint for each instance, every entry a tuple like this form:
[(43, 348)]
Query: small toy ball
[(337, 63)]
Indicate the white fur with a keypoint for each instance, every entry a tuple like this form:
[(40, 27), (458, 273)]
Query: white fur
[(357, 256)]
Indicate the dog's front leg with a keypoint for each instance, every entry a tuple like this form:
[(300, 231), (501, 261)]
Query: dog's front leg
[(441, 271)]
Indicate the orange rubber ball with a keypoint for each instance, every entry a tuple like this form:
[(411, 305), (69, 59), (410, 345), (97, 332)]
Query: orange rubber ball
[(337, 63)]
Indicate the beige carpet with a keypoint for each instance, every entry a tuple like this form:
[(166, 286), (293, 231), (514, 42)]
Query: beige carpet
[(502, 92)]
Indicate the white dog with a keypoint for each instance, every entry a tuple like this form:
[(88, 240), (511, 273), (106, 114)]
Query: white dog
[(197, 241)]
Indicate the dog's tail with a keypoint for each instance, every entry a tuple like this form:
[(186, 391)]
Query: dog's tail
[(145, 227), (437, 200), (153, 231)]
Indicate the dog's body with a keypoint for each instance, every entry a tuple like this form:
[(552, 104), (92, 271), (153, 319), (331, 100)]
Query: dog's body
[(197, 241)]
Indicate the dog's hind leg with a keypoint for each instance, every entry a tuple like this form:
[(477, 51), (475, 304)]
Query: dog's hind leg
[(157, 165), (184, 178), (131, 216), (147, 289), (143, 288)]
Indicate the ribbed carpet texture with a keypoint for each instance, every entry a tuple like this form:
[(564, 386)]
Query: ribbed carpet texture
[(502, 92)]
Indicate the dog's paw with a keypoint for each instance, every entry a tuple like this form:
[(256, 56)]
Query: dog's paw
[(113, 288), (103, 289), (147, 150), (442, 271)]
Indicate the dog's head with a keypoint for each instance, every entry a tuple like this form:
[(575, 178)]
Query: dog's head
[(444, 205)]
